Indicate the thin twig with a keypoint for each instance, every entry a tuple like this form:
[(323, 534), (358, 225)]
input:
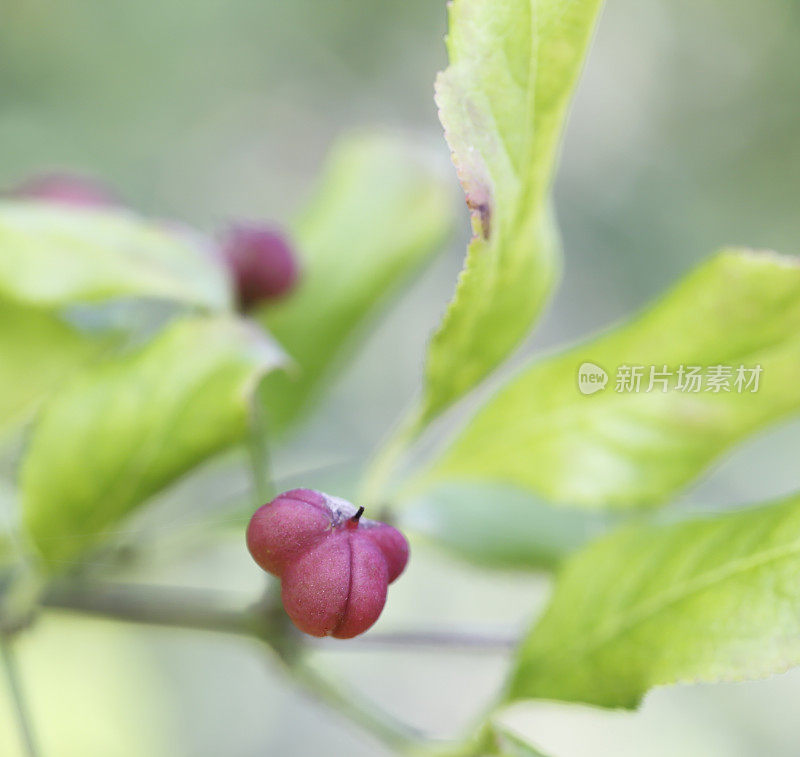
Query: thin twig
[(177, 607), (258, 446), (386, 729), (206, 610), (15, 686), (383, 465), (209, 611)]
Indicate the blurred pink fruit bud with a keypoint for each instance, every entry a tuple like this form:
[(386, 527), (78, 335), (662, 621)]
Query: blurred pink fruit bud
[(263, 263), (64, 188)]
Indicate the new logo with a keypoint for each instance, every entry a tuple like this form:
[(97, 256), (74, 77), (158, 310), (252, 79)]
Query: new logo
[(591, 378)]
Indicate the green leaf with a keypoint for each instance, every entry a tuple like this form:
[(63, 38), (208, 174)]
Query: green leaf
[(713, 599), (54, 256), (38, 350), (502, 102), (379, 213), (623, 449), (501, 527), (121, 432)]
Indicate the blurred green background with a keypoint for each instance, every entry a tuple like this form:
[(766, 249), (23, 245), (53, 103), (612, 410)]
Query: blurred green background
[(683, 137)]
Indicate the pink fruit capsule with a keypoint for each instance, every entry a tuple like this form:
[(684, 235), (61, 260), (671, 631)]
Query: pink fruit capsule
[(334, 565)]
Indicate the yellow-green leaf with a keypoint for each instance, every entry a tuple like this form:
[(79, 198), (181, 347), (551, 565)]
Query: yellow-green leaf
[(380, 212), (711, 599), (127, 428), (53, 256), (502, 102), (636, 448), (38, 351)]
